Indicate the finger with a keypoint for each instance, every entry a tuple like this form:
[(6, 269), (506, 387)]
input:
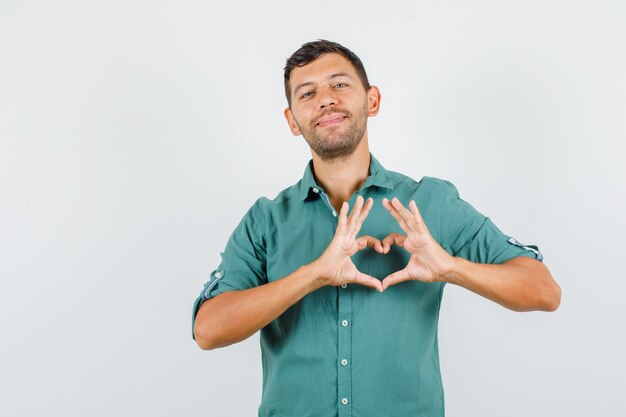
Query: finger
[(367, 207), (406, 214), (396, 278), (388, 241), (368, 281), (343, 213), (419, 220), (358, 205), (396, 215), (370, 241), (416, 213), (393, 239), (391, 209)]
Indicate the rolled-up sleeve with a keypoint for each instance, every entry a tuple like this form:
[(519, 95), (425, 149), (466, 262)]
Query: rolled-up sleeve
[(244, 259), (468, 234)]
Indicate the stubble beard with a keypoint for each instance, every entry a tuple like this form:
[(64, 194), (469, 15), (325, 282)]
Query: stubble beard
[(337, 145)]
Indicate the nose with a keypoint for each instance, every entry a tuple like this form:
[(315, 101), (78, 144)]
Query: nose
[(326, 98)]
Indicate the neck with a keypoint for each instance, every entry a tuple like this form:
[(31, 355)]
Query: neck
[(341, 178)]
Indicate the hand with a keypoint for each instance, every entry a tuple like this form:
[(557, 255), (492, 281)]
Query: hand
[(429, 262), (335, 266)]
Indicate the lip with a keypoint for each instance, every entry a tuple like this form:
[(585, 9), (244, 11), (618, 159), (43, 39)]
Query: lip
[(331, 119)]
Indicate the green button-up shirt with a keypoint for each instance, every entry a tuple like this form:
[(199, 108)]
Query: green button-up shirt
[(350, 350)]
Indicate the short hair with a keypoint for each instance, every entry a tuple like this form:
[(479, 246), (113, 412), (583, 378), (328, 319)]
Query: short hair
[(312, 50)]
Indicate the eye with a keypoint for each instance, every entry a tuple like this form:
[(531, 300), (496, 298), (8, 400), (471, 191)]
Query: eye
[(307, 94), (341, 85)]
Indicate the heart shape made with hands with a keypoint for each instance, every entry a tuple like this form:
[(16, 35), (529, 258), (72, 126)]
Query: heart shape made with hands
[(429, 262)]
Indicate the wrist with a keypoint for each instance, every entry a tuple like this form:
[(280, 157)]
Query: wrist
[(454, 271), (316, 274)]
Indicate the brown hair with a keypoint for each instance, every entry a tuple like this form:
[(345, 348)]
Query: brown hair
[(312, 50)]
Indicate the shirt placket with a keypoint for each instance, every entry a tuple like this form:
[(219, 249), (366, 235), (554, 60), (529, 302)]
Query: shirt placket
[(344, 350), (326, 200), (344, 338)]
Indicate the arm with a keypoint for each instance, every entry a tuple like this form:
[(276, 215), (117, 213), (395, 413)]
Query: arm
[(520, 284), (234, 316)]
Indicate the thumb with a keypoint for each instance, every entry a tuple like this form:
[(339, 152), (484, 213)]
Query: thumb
[(395, 278), (368, 281)]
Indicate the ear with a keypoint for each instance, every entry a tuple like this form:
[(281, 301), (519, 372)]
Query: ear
[(373, 101), (291, 121)]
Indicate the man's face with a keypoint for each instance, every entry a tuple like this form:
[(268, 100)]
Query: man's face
[(329, 106)]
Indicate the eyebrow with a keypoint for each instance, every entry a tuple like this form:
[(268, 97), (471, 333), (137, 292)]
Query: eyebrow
[(305, 84)]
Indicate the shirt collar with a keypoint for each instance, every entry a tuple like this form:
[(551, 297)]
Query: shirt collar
[(378, 177)]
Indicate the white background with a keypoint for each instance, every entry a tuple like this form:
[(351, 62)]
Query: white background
[(134, 135)]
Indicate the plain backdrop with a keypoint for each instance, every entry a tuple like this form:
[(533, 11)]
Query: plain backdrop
[(134, 135)]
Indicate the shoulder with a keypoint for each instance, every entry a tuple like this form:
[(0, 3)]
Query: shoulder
[(433, 186), (286, 196), (265, 208), (443, 187)]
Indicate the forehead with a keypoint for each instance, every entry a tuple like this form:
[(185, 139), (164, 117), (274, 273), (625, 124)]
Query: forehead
[(323, 67)]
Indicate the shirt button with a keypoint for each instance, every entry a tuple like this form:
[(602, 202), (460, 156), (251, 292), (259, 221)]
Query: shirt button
[(344, 323), (344, 285), (334, 213), (344, 362), (344, 401), (315, 190), (218, 274)]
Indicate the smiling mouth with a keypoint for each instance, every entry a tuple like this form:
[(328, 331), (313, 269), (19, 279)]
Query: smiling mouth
[(328, 121)]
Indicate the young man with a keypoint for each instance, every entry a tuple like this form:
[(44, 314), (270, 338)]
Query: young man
[(348, 302)]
